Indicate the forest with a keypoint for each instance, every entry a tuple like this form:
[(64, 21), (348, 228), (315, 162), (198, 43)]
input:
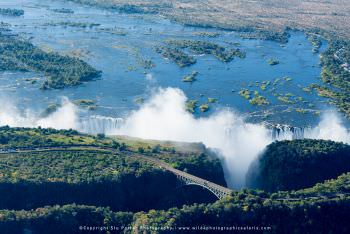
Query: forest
[(305, 213), (36, 137), (290, 165), (201, 164), (175, 50), (177, 56), (108, 176), (60, 71), (96, 181), (119, 191), (32, 180), (203, 47), (335, 72)]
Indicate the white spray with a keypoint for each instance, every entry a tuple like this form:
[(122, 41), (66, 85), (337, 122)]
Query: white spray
[(163, 117)]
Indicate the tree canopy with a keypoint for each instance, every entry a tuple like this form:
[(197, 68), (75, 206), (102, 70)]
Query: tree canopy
[(288, 165)]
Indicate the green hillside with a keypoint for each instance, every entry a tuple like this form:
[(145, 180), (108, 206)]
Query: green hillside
[(303, 211), (95, 170), (85, 181), (289, 165)]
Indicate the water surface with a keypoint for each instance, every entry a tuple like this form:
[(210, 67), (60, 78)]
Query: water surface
[(124, 79)]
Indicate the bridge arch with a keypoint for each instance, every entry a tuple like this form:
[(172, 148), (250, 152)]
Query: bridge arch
[(200, 185), (219, 191)]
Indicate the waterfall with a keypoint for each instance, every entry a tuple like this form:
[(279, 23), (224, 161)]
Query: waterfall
[(99, 124), (285, 132), (109, 125)]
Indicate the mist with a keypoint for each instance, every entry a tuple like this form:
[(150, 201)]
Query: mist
[(236, 142), (66, 116), (164, 117)]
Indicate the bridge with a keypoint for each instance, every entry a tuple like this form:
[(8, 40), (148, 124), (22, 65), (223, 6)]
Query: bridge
[(185, 178), (188, 179)]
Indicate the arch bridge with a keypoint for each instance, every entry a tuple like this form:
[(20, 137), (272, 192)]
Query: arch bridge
[(185, 178), (188, 179)]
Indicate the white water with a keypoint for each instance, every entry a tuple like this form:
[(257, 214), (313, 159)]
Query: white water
[(163, 117)]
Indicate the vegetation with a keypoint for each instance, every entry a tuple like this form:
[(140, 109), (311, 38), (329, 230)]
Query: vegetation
[(276, 81), (255, 20), (336, 73), (191, 105), (60, 71), (61, 219), (203, 165), (114, 31), (285, 99), (139, 100), (245, 93), (209, 48), (315, 40), (296, 164), (300, 211), (212, 100), (95, 176), (170, 152), (73, 24), (51, 108), (84, 102), (273, 62), (174, 50), (134, 143), (193, 158), (31, 180), (307, 89), (180, 58), (126, 7), (11, 12), (206, 34), (264, 85), (320, 209), (146, 63), (287, 78), (249, 33), (35, 137), (190, 78), (132, 9), (204, 107), (324, 91), (300, 110), (94, 179), (258, 100), (63, 10)]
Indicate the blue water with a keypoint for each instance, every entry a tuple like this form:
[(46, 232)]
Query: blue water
[(124, 79)]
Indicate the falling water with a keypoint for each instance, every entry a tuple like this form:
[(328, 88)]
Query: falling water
[(286, 132), (108, 125), (99, 124)]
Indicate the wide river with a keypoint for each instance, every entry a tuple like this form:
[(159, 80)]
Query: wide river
[(121, 42)]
